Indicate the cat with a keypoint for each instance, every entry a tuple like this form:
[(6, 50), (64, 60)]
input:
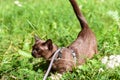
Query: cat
[(85, 46)]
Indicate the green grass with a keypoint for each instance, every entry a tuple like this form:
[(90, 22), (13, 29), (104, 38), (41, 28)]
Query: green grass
[(56, 20)]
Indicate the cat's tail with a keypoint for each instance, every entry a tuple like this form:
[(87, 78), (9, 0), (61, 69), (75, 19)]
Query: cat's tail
[(79, 15)]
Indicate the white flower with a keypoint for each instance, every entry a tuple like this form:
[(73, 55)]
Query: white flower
[(18, 3), (101, 70), (56, 76), (118, 58), (102, 0), (112, 57), (117, 64), (111, 61), (104, 60), (114, 15), (110, 64)]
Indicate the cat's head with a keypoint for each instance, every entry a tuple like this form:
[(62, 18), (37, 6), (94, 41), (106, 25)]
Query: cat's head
[(42, 48)]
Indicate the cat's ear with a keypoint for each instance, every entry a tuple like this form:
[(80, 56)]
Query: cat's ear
[(36, 38), (49, 44)]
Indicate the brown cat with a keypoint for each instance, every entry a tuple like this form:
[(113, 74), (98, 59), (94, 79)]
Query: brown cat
[(85, 46)]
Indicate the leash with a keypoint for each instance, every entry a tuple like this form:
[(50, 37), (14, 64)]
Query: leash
[(50, 65)]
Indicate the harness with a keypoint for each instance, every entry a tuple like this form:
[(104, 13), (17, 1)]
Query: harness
[(60, 55), (54, 57)]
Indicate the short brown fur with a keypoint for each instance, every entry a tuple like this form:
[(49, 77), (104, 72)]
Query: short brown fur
[(85, 46)]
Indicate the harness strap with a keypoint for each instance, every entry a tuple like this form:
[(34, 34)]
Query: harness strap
[(54, 58), (49, 68), (60, 55), (74, 56)]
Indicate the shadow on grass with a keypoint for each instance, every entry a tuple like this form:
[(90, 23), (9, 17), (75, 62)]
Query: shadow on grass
[(41, 65)]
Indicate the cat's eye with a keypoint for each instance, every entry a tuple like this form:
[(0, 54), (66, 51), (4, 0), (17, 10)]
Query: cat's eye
[(37, 49)]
